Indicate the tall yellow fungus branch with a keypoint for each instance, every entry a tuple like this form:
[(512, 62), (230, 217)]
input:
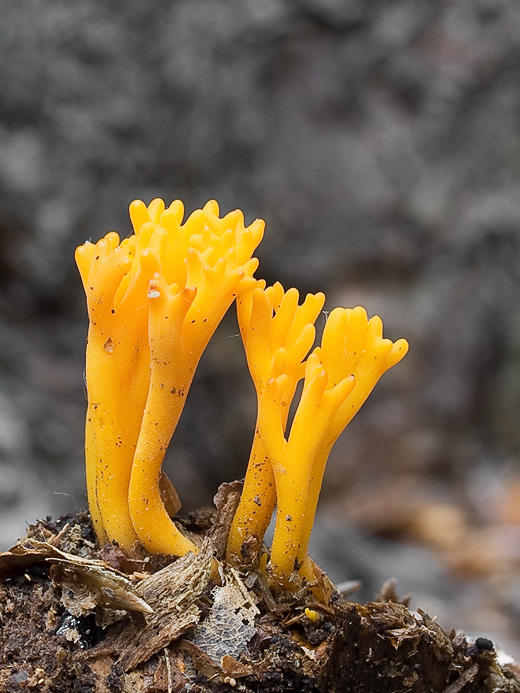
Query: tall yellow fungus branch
[(154, 300)]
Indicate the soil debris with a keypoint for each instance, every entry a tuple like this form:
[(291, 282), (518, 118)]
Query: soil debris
[(73, 620)]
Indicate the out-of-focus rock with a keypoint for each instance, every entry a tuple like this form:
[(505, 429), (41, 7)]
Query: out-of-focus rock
[(380, 141)]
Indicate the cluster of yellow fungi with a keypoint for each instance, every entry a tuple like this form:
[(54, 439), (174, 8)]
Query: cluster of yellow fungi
[(154, 300)]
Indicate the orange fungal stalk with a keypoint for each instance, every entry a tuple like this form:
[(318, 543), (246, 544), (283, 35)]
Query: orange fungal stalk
[(353, 345), (293, 456)]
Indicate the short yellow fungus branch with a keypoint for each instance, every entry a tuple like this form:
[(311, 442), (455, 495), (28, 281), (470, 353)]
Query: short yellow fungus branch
[(351, 345), (277, 334), (293, 458)]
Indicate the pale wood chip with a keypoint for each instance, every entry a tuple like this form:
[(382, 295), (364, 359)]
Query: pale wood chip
[(173, 593), (236, 669), (226, 502)]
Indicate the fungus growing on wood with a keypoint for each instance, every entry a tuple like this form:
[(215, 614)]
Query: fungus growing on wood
[(154, 300)]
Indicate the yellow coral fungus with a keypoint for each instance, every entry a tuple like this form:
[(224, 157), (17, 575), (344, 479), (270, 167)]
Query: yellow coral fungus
[(117, 373), (293, 458), (154, 300)]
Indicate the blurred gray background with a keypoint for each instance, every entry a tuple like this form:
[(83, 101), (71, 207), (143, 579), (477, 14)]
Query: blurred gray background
[(380, 141)]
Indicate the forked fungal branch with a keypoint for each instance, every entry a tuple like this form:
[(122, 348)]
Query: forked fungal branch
[(277, 334)]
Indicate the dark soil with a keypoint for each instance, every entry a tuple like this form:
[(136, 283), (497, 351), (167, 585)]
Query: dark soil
[(76, 618)]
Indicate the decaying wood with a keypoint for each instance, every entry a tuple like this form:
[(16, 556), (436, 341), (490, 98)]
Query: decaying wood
[(77, 622), (413, 651), (173, 594)]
